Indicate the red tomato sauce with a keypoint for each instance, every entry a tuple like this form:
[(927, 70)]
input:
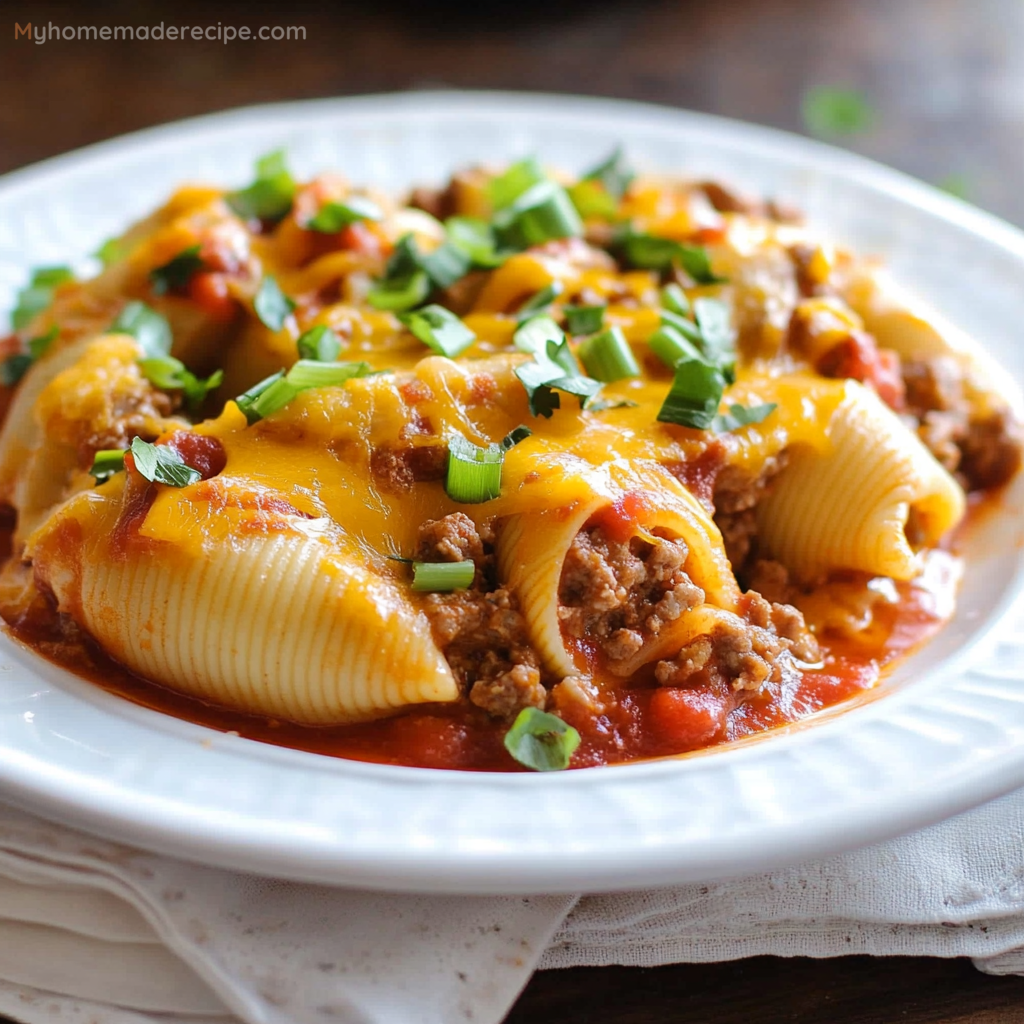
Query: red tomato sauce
[(639, 720)]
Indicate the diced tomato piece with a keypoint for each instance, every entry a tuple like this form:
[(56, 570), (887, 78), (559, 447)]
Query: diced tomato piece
[(210, 291), (619, 520), (358, 237), (687, 718), (859, 358)]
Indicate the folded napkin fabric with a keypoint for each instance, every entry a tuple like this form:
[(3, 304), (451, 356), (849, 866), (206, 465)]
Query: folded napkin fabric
[(94, 932)]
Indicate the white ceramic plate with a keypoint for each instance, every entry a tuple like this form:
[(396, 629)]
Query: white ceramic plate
[(948, 734)]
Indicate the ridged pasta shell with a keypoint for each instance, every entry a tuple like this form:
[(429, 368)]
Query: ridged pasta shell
[(532, 547), (277, 623), (848, 507)]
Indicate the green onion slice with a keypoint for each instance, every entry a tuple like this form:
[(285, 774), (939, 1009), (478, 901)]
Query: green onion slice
[(442, 576), (584, 319), (607, 356), (111, 251), (650, 252), (476, 239), (542, 213), (106, 463), (272, 306), (506, 188), (541, 741), (695, 395), (334, 216), (473, 473), (38, 294), (534, 334), (671, 346), (399, 295), (40, 344), (446, 264), (513, 437), (541, 300), (162, 464), (439, 329), (319, 343), (277, 390), (146, 326), (270, 196), (176, 273), (674, 299), (715, 327), (170, 374), (742, 416)]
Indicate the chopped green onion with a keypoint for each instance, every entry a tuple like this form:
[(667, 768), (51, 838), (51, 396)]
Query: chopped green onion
[(170, 374), (439, 329), (476, 239), (742, 416), (270, 196), (162, 464), (541, 300), (277, 390), (541, 741), (272, 306), (651, 252), (309, 373), (473, 473), (442, 576), (541, 214), (584, 319), (13, 368), (695, 395), (320, 343), (247, 399), (671, 347), (613, 173), (146, 326), (445, 265), (332, 217), (38, 294), (404, 283), (674, 299), (112, 251), (513, 437), (715, 328), (607, 356), (506, 188), (177, 272), (599, 190), (106, 463), (400, 295), (40, 344), (534, 334)]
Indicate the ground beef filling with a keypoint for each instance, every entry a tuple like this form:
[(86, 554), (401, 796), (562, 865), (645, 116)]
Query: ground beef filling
[(759, 647), (983, 447), (619, 594), (736, 494), (480, 631)]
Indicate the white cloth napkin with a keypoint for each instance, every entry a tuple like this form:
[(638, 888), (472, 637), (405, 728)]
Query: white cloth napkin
[(93, 932)]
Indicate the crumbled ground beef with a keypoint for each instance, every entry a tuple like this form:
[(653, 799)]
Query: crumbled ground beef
[(982, 447), (395, 468), (747, 653), (736, 494), (480, 631), (771, 580), (621, 593)]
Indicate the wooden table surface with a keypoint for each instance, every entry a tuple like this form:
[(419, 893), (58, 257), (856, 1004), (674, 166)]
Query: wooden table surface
[(946, 81)]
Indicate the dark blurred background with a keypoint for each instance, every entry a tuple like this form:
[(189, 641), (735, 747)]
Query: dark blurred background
[(940, 82)]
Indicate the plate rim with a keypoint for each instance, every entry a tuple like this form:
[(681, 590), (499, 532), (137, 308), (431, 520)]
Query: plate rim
[(214, 840)]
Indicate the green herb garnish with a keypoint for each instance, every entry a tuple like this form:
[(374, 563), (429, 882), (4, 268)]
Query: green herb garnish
[(38, 294), (584, 319), (161, 464), (272, 306), (695, 395), (741, 416), (439, 329), (651, 252), (170, 374), (146, 326), (334, 216), (270, 196), (319, 343), (541, 741), (177, 272), (106, 463)]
